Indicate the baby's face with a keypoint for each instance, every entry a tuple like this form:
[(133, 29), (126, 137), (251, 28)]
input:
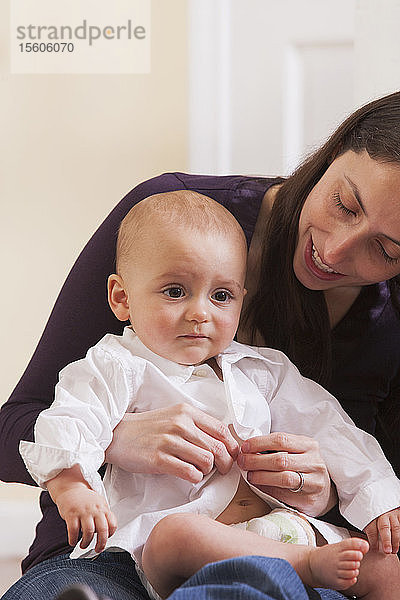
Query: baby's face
[(185, 293)]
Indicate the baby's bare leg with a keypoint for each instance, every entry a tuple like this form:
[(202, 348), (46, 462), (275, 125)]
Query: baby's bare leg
[(379, 577), (181, 544)]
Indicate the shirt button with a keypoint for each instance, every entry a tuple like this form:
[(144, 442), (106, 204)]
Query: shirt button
[(201, 373)]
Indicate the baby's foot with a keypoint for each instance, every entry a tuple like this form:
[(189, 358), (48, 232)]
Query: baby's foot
[(336, 566)]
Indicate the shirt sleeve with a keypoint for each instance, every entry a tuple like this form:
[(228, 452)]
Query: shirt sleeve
[(80, 318), (91, 397), (366, 483)]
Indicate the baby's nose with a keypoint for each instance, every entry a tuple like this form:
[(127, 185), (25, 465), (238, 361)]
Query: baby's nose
[(197, 311)]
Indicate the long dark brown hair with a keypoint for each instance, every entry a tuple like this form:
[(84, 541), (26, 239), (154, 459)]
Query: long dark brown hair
[(289, 316)]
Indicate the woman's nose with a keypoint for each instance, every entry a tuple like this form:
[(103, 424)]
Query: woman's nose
[(340, 248)]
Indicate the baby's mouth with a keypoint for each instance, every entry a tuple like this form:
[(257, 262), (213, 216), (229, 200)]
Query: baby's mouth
[(318, 262), (193, 335)]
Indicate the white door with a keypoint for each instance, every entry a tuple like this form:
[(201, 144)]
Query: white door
[(269, 80)]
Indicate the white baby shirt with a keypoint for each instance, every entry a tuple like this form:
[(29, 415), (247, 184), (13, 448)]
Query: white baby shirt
[(262, 392)]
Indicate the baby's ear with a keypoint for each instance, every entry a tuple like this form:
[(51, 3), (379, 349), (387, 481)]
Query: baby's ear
[(117, 297)]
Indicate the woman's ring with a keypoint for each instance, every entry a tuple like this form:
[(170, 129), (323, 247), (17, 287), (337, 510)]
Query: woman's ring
[(301, 484)]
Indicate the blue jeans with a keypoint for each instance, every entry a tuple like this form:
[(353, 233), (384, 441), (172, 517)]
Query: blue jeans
[(249, 578), (114, 575), (111, 574)]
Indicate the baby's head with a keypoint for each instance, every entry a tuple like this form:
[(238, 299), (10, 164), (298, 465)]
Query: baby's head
[(181, 266)]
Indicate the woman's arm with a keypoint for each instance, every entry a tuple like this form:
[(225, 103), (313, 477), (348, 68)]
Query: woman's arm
[(366, 483), (80, 317)]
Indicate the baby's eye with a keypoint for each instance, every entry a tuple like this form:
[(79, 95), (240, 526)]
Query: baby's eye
[(174, 292), (221, 296)]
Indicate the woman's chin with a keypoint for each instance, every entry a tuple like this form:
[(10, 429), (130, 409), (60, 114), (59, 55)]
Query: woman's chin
[(315, 284)]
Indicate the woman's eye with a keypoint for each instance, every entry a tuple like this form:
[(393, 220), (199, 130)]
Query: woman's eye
[(221, 296), (341, 206), (174, 292), (389, 259)]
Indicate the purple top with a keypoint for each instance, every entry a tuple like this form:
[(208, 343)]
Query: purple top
[(366, 342)]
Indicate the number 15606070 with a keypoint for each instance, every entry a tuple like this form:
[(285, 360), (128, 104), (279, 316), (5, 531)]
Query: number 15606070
[(46, 47)]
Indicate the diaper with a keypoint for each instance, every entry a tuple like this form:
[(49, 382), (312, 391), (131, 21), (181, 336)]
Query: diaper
[(282, 525)]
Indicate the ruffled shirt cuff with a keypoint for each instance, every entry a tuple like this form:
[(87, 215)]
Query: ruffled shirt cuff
[(46, 462), (373, 500)]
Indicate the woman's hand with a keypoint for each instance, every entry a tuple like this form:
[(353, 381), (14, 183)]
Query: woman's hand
[(274, 462), (179, 440)]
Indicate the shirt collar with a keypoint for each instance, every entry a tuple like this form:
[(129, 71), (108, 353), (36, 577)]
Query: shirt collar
[(232, 354), (168, 367), (235, 352)]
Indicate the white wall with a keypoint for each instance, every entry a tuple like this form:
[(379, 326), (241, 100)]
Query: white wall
[(377, 49), (269, 80)]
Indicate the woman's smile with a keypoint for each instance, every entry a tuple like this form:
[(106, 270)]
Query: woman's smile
[(318, 262), (317, 267)]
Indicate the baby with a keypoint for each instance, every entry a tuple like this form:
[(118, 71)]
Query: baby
[(181, 265)]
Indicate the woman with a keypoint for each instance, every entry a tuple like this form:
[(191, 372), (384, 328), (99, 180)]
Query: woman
[(324, 255)]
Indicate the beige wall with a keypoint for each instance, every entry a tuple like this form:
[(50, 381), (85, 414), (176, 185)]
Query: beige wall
[(70, 148)]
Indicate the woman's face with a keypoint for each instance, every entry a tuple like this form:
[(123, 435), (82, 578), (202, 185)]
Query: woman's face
[(349, 227)]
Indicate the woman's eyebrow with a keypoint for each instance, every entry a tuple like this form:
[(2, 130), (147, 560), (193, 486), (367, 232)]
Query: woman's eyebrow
[(358, 198)]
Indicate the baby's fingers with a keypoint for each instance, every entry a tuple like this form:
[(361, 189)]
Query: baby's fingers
[(395, 528), (385, 533), (88, 529), (106, 524), (112, 523), (73, 530), (373, 535), (102, 531)]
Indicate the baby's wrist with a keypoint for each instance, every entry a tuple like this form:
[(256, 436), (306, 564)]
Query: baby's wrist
[(66, 480)]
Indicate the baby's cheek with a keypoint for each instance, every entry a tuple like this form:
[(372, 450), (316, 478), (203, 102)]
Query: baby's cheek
[(161, 319), (153, 328), (228, 326)]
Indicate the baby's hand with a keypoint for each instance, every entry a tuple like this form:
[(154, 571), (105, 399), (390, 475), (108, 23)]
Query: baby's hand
[(85, 510), (384, 532)]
